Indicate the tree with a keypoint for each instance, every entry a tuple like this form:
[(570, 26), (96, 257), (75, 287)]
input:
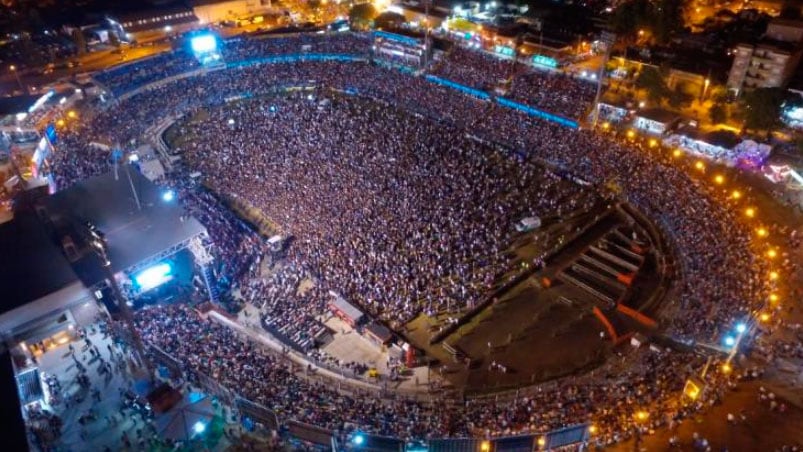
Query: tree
[(79, 40), (717, 113), (362, 15), (630, 16), (678, 97), (667, 18), (389, 20), (790, 12), (762, 107), (651, 80), (662, 18)]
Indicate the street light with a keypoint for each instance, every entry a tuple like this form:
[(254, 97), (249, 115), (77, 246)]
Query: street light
[(762, 232), (736, 194), (13, 69), (719, 179), (750, 212)]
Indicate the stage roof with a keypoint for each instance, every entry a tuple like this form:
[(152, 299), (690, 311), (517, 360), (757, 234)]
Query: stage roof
[(33, 262), (133, 234)]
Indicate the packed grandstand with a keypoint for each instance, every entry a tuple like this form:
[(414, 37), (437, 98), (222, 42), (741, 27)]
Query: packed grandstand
[(400, 193)]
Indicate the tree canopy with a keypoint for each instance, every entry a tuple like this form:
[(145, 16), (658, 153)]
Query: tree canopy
[(762, 107), (651, 80), (361, 15), (661, 18)]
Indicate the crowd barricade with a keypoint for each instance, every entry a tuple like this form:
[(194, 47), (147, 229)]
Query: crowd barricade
[(455, 445), (166, 360), (257, 412), (310, 433), (537, 113), (458, 87), (295, 59)]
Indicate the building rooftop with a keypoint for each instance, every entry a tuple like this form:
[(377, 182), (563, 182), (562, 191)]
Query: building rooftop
[(17, 104), (33, 264)]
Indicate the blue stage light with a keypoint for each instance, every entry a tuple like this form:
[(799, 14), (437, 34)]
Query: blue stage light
[(729, 341), (358, 439), (199, 427), (203, 44), (168, 196), (741, 327), (153, 276)]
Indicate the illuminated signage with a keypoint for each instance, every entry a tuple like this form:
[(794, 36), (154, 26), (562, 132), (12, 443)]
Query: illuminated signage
[(545, 61)]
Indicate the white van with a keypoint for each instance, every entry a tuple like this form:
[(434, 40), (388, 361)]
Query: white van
[(528, 224)]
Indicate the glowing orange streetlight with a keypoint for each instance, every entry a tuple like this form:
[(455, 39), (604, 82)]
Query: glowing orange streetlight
[(764, 317), (774, 276), (677, 153), (774, 298), (719, 179), (736, 194), (772, 254), (726, 368), (762, 232), (699, 165), (750, 212)]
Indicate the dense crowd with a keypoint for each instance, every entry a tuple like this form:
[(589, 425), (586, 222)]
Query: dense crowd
[(122, 79), (554, 92), (207, 348), (406, 213), (416, 218), (476, 69)]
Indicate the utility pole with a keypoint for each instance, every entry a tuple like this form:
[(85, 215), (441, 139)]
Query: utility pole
[(609, 39)]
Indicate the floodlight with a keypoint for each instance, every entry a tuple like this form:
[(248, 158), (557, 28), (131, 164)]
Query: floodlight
[(199, 427), (203, 44), (153, 276)]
